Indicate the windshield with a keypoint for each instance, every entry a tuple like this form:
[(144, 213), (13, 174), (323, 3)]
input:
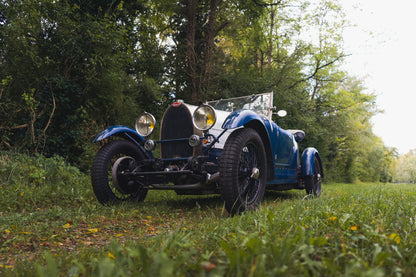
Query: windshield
[(260, 103)]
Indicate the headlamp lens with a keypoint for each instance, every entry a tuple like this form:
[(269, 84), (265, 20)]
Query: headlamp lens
[(204, 117), (145, 124)]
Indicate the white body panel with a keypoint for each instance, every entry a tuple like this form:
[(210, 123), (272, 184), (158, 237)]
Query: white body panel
[(217, 129)]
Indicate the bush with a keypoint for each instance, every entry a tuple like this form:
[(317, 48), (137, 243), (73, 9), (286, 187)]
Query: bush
[(36, 181)]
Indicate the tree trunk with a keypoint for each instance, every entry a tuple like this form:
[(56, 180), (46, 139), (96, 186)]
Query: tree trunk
[(190, 49), (209, 43), (270, 46)]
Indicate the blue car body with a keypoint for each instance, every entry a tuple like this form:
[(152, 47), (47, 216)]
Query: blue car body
[(196, 169)]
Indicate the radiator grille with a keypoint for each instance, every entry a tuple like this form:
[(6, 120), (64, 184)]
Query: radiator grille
[(176, 124)]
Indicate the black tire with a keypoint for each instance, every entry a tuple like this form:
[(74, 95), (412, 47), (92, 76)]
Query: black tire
[(313, 183), (243, 171), (107, 188)]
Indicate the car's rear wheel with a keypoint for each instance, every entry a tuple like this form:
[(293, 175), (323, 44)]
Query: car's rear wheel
[(313, 183), (243, 171), (108, 178)]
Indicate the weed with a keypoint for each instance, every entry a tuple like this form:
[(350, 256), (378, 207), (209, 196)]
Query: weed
[(52, 225)]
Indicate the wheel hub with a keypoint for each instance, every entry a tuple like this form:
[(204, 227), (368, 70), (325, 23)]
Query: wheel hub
[(318, 177), (255, 173), (120, 181)]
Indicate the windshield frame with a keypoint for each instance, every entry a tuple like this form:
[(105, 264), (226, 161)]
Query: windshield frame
[(260, 103)]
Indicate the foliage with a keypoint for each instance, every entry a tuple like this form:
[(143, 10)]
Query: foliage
[(57, 228), (39, 182), (405, 168), (343, 133), (68, 69), (64, 76)]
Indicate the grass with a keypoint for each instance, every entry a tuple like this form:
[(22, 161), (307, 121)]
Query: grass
[(52, 225)]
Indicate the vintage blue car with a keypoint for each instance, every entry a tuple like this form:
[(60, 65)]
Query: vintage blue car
[(229, 147)]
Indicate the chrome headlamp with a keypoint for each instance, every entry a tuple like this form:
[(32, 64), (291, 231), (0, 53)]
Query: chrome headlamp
[(145, 124), (204, 117)]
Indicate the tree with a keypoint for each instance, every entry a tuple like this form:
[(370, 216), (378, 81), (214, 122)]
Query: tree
[(61, 71), (71, 68), (405, 167)]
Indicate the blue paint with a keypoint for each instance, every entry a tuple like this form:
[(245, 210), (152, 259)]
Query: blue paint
[(118, 130), (240, 118), (284, 148), (281, 148), (308, 157)]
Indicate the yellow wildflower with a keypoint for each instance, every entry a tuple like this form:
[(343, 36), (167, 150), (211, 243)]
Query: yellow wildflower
[(92, 230), (111, 256), (395, 237)]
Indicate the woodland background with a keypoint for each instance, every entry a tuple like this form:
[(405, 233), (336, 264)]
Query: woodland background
[(69, 69)]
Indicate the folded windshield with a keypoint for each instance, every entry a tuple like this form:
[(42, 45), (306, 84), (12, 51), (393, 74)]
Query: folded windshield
[(260, 103)]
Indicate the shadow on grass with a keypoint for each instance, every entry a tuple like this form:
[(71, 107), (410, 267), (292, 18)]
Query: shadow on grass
[(274, 195), (190, 202), (170, 200)]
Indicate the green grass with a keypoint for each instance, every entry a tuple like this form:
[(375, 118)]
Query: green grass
[(52, 225)]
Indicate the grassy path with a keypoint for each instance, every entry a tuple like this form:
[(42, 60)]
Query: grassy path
[(351, 230)]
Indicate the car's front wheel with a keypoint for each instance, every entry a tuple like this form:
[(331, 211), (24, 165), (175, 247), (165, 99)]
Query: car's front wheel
[(108, 173), (243, 171), (313, 183)]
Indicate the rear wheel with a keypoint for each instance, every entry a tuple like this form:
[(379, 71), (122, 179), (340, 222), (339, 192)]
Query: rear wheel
[(109, 182), (313, 183), (243, 171)]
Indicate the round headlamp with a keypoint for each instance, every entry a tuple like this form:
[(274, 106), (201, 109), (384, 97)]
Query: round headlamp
[(204, 117), (145, 124)]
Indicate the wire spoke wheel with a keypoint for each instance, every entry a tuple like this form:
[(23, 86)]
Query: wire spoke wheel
[(243, 171), (249, 185), (109, 173)]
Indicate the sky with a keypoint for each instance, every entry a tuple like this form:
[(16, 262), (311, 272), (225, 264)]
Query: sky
[(382, 45)]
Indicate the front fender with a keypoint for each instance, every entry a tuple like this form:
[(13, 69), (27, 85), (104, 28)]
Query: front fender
[(126, 133), (239, 118), (120, 131), (308, 157)]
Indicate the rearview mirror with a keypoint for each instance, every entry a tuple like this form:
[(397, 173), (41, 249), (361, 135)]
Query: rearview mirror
[(282, 113)]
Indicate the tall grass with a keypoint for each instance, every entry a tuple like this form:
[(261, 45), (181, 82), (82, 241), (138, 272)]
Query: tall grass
[(52, 225)]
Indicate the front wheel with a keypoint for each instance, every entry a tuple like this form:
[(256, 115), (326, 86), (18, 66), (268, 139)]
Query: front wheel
[(243, 171), (313, 183), (109, 182)]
